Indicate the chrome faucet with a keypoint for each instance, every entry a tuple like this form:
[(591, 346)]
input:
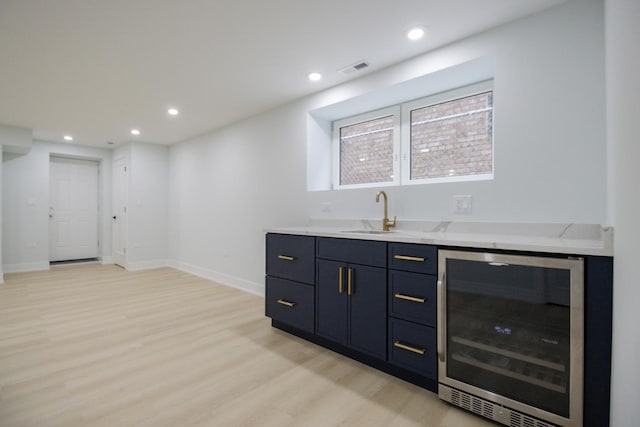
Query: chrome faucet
[(386, 222)]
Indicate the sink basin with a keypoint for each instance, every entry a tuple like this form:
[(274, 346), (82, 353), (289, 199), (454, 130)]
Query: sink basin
[(368, 231)]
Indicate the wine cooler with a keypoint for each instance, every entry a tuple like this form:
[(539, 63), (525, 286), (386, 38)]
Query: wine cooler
[(510, 337)]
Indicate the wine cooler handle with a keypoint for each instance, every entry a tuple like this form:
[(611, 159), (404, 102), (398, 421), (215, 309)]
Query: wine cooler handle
[(442, 321)]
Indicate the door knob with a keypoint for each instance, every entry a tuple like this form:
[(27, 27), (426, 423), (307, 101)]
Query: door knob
[(114, 217)]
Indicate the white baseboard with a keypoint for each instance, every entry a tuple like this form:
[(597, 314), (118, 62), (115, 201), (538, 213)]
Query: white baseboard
[(146, 265), (223, 279), (26, 267), (106, 260)]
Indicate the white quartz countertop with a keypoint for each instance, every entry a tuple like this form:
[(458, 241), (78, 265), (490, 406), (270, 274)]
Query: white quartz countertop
[(576, 239)]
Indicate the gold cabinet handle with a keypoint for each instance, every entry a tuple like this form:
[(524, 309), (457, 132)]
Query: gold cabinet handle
[(409, 298), (409, 258), (349, 282), (420, 351), (340, 284), (286, 257), (286, 303)]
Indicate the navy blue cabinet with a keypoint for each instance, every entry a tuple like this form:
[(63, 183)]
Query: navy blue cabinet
[(332, 301), (290, 302), (412, 257), (291, 257), (413, 347), (362, 252), (412, 308), (290, 280), (352, 298), (412, 297)]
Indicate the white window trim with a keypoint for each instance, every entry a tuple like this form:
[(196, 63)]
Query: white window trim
[(439, 98), (335, 146)]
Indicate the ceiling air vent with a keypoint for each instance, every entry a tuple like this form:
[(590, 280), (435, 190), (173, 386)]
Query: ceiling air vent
[(360, 65)]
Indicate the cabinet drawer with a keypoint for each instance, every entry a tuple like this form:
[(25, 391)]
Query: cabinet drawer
[(291, 303), (412, 257), (363, 252), (291, 257), (413, 347), (412, 297)]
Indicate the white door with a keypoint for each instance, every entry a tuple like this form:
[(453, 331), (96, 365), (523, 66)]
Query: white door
[(120, 192), (73, 211)]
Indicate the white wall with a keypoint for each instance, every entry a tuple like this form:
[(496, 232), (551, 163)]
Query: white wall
[(1, 267), (25, 204), (15, 139), (226, 186), (623, 92), (549, 127), (148, 203)]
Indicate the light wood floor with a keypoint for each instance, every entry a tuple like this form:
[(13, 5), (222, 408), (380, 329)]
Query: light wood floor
[(94, 345)]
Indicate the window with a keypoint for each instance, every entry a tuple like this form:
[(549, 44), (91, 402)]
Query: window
[(365, 149), (445, 137)]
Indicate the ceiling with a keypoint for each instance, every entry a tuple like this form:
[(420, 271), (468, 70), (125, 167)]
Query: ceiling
[(96, 69)]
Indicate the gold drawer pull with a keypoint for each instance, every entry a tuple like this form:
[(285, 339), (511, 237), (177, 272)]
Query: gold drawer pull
[(408, 298), (286, 258), (287, 303), (409, 258), (349, 282), (419, 351), (340, 284)]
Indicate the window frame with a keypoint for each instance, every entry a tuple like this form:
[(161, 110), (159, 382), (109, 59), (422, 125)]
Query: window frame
[(402, 138), (427, 101), (394, 111)]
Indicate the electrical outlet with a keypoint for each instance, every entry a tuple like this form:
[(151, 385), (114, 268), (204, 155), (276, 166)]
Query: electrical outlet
[(462, 204)]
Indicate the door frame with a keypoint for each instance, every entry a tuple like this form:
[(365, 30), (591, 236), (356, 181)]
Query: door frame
[(121, 218)]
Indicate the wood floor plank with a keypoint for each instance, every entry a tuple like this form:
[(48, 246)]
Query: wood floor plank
[(95, 345)]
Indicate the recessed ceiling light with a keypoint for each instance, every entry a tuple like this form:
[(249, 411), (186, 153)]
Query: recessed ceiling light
[(173, 111), (314, 77), (415, 33), (135, 132), (68, 138)]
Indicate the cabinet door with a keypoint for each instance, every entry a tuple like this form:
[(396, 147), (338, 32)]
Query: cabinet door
[(290, 302), (413, 347), (362, 252), (368, 309), (331, 300), (412, 257), (412, 297), (291, 257)]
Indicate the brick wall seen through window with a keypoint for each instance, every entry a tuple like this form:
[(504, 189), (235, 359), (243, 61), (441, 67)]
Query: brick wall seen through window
[(366, 152), (452, 138)]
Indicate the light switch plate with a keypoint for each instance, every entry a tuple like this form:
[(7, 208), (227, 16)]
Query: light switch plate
[(462, 204)]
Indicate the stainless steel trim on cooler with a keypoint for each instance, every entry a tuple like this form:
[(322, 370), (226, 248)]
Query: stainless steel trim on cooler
[(482, 407)]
